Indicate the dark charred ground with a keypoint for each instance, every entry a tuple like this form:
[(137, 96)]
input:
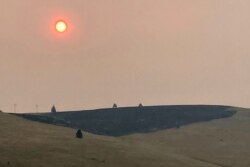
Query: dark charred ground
[(129, 120)]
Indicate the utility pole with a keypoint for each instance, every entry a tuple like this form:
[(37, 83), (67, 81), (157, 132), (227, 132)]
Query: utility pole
[(15, 108), (37, 108)]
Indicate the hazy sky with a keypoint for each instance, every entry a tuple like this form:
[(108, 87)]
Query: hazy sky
[(124, 51)]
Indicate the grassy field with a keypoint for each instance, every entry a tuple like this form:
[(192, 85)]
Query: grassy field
[(216, 143), (223, 142)]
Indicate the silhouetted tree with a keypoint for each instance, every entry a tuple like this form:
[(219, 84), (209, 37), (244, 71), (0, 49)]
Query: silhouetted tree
[(79, 134), (140, 105), (114, 105), (53, 109)]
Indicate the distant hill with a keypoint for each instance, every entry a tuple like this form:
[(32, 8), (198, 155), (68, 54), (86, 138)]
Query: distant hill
[(25, 143), (129, 120), (216, 143)]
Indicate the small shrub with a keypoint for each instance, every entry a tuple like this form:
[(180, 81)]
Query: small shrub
[(114, 105), (79, 134)]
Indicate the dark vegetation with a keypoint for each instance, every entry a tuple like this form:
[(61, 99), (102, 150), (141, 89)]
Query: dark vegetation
[(114, 105), (53, 109), (140, 105), (128, 120), (79, 134)]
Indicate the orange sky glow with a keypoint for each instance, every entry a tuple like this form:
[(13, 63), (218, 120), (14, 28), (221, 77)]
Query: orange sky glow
[(125, 52)]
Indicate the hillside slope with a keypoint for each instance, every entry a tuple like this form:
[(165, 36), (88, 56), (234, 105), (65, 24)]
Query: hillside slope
[(25, 143), (129, 120), (223, 142)]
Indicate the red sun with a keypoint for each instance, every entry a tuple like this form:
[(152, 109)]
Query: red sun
[(61, 26)]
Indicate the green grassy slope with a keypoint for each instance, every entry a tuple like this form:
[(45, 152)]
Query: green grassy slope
[(25, 143)]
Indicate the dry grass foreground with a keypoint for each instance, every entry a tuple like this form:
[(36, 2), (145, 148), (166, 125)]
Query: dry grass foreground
[(218, 143)]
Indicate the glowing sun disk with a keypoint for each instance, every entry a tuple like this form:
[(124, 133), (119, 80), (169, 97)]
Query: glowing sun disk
[(61, 26)]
